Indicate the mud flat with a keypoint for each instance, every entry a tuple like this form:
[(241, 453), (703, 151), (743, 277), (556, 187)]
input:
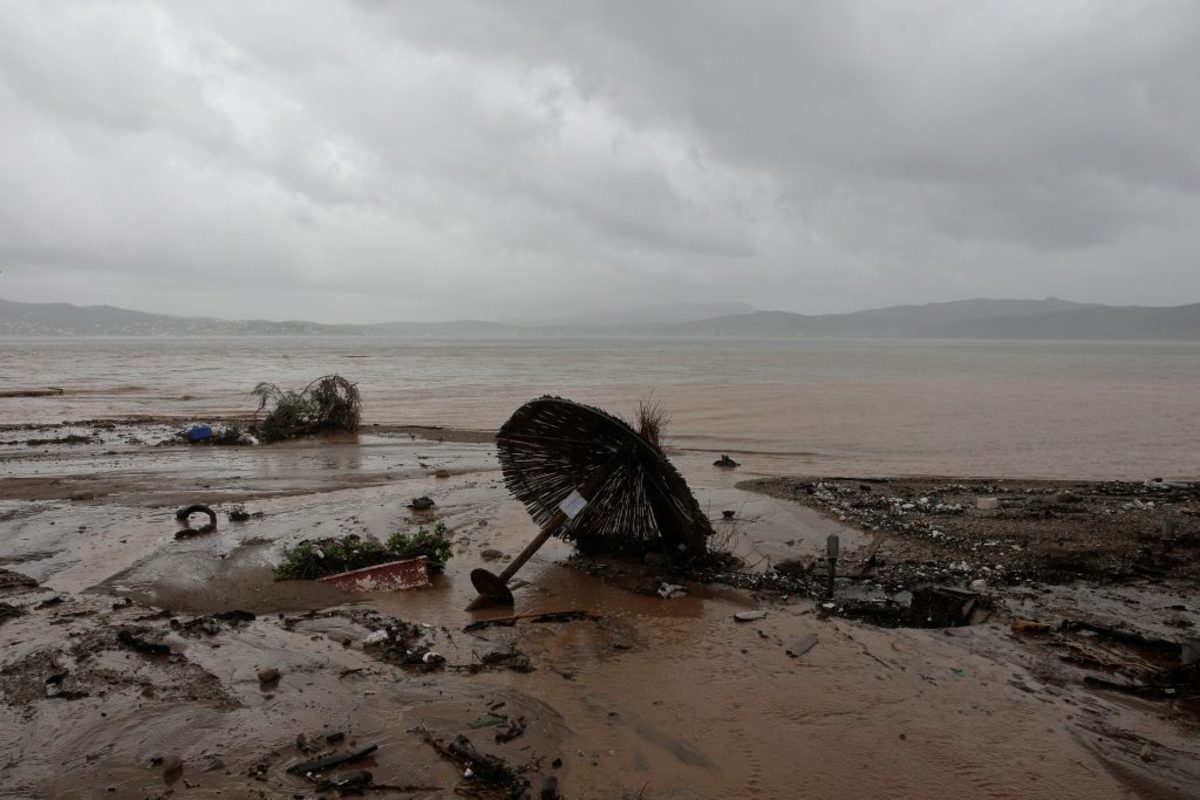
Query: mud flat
[(135, 664)]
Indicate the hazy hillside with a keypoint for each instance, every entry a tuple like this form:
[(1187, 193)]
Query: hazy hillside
[(893, 321), (64, 319), (1180, 323), (457, 329), (965, 319), (663, 314)]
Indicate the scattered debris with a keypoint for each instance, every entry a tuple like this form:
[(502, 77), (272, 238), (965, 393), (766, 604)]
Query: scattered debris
[(319, 765), (348, 782), (209, 624), (330, 403), (1049, 531), (239, 514), (802, 645), (411, 573), (200, 433), (538, 616), (512, 730), (1124, 637), (15, 580), (49, 391), (73, 438), (481, 772), (184, 514), (946, 606), (930, 607), (570, 462), (511, 659), (313, 559), (136, 639), (1161, 485), (669, 591)]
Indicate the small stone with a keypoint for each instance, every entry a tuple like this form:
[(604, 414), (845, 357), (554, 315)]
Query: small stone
[(749, 616), (441, 473), (172, 765), (268, 675), (491, 554)]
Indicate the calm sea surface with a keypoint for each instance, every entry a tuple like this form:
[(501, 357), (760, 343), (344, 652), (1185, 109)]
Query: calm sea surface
[(1074, 410)]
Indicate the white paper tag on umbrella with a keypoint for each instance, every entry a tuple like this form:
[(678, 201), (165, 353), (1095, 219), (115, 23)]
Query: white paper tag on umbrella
[(572, 505)]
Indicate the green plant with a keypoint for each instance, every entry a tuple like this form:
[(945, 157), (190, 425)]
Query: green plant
[(313, 559), (330, 403), (433, 545)]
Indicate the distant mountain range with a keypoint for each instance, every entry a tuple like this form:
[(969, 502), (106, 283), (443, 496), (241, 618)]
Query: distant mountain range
[(665, 314), (963, 319), (64, 319)]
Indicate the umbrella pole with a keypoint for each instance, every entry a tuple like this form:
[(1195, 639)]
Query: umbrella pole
[(588, 490)]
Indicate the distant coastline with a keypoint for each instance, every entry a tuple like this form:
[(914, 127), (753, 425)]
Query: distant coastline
[(981, 318)]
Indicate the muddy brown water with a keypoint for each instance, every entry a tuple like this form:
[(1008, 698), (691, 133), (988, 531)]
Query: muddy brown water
[(655, 699), (1075, 410)]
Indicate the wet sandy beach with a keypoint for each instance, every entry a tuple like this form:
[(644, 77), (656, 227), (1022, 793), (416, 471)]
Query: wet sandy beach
[(645, 697)]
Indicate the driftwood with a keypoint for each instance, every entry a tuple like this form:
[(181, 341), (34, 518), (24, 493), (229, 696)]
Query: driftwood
[(1124, 637), (49, 391), (329, 762), (869, 557), (536, 616)]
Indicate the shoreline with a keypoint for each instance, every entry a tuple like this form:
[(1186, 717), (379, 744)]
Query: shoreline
[(110, 559)]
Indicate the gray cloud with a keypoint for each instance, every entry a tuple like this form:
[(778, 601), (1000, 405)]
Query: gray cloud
[(377, 160)]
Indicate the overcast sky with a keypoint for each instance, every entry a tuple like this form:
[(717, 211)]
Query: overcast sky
[(374, 161)]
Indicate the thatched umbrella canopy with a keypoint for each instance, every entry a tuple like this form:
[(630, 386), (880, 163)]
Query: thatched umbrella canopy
[(551, 447)]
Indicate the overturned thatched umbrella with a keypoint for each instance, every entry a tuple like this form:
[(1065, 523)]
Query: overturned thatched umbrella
[(590, 478)]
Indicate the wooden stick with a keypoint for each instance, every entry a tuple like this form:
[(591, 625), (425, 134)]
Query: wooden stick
[(588, 490)]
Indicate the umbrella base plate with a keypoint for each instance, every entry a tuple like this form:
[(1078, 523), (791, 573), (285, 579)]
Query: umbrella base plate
[(492, 587)]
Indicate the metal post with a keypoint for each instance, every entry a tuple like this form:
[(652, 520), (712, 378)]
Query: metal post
[(831, 557)]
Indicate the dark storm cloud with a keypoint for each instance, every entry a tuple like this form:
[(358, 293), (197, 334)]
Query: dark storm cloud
[(345, 160)]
